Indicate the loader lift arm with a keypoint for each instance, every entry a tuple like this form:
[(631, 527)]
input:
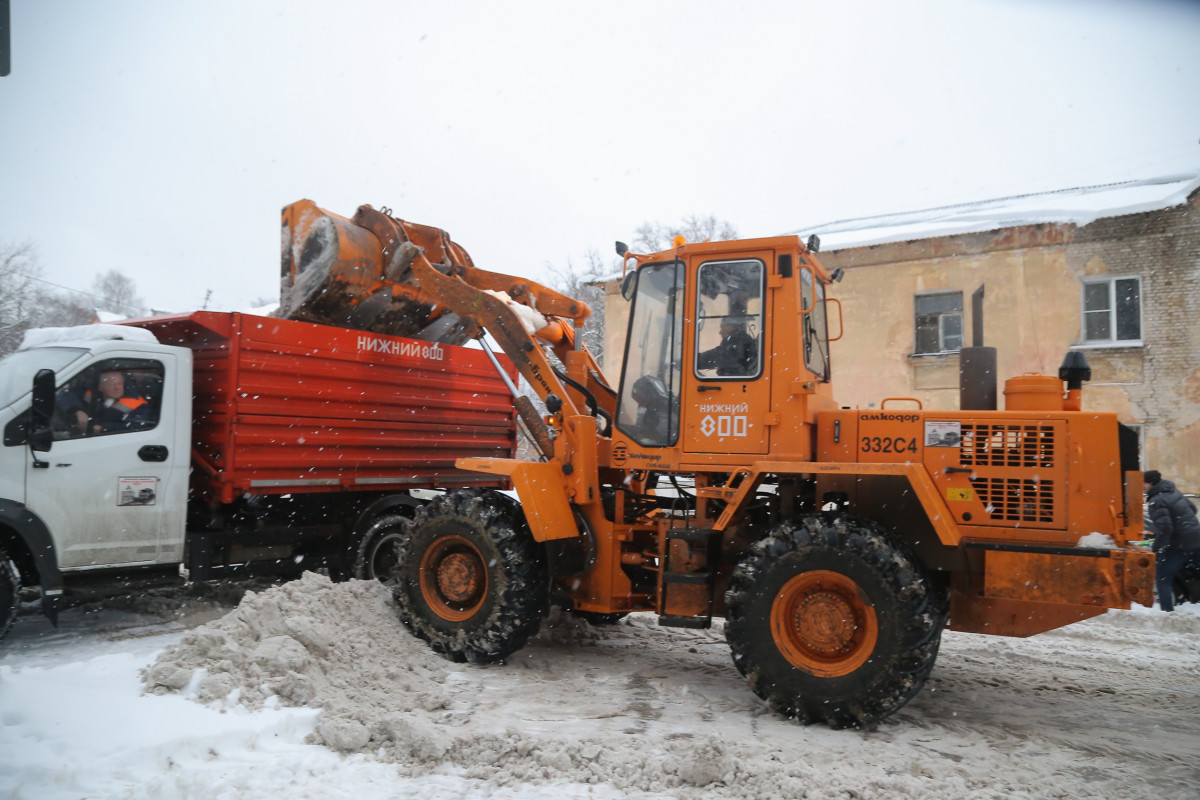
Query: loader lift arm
[(479, 298), (376, 272)]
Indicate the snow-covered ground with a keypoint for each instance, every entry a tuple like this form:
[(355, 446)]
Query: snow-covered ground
[(1109, 708)]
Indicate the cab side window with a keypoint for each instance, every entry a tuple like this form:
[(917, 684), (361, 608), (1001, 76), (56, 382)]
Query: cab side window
[(118, 395)]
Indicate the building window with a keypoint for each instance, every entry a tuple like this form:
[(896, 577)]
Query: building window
[(939, 323), (1112, 310)]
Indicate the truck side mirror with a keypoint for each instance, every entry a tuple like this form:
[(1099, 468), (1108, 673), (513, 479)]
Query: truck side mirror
[(41, 410)]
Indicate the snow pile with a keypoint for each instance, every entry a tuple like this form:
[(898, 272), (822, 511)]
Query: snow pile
[(634, 710), (308, 642), (41, 337), (341, 647)]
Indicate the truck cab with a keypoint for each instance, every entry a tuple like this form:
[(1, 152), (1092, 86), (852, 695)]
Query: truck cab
[(102, 482)]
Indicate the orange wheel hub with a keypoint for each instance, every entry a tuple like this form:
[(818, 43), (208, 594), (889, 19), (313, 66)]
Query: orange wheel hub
[(454, 579), (823, 624)]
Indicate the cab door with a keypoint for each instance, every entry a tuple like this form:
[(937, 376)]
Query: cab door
[(726, 396), (117, 496)]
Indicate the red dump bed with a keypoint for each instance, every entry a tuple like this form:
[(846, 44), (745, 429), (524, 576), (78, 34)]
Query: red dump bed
[(283, 406)]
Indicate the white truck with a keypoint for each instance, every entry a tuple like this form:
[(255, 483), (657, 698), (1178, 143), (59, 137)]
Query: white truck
[(260, 446)]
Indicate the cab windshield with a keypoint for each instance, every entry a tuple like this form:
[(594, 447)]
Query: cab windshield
[(17, 370), (649, 403)]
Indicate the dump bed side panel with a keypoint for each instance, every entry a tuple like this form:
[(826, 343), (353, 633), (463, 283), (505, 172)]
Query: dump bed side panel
[(283, 406)]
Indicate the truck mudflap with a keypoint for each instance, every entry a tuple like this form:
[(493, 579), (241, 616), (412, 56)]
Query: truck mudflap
[(1024, 590)]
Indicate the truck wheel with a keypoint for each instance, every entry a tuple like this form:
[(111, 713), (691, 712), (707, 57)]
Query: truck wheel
[(473, 581), (377, 557), (833, 621), (10, 593)]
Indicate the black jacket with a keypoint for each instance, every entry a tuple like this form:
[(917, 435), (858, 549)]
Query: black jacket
[(1174, 518), (736, 355)]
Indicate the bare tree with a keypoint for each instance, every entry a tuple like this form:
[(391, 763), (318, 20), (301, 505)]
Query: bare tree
[(116, 291), (28, 301), (585, 282), (62, 309), (19, 270), (651, 237)]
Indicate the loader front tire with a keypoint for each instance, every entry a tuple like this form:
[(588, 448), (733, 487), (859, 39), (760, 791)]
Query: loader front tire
[(472, 580), (10, 593), (830, 620)]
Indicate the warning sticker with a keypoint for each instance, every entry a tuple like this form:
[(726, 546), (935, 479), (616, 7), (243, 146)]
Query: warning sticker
[(943, 434), (137, 491), (961, 495)]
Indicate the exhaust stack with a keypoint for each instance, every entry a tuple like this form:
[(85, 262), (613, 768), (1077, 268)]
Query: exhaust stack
[(977, 365)]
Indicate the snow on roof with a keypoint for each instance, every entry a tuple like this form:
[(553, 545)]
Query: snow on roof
[(1080, 206), (109, 316), (41, 337), (263, 311)]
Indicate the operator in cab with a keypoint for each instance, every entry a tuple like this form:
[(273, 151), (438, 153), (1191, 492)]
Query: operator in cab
[(736, 355), (110, 407)]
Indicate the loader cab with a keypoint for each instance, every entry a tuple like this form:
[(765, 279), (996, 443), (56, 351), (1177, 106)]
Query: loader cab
[(724, 338)]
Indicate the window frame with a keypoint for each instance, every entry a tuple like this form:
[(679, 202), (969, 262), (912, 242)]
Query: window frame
[(129, 366), (1113, 311), (759, 320), (940, 323)]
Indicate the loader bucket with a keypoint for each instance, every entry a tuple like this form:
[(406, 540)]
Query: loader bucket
[(356, 273)]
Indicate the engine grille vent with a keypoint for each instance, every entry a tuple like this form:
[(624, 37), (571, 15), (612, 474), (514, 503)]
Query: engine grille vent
[(1016, 499), (1008, 445)]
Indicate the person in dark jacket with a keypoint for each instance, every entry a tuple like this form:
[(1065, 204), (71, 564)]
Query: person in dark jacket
[(736, 355), (109, 408), (1177, 534)]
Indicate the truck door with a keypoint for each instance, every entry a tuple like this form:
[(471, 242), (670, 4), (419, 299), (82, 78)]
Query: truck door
[(726, 391), (114, 488)]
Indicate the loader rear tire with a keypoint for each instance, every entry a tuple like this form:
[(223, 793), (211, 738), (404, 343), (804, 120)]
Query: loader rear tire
[(472, 579), (833, 621), (10, 593)]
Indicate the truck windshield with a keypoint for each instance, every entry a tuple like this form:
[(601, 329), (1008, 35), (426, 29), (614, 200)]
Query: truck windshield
[(649, 409), (17, 370)]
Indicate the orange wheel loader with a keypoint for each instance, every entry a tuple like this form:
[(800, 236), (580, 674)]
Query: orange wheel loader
[(717, 476)]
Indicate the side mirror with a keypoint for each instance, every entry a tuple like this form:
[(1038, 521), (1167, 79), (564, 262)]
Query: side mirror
[(622, 248), (41, 410), (628, 284)]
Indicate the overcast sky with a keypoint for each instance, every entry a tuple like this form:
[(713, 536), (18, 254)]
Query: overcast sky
[(162, 138)]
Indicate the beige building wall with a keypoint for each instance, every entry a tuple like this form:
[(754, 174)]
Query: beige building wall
[(1033, 311)]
